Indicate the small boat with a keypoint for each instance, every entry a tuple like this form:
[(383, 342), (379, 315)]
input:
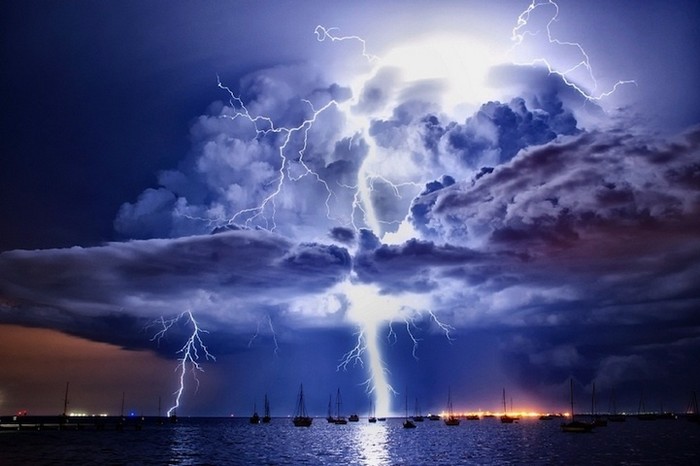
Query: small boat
[(598, 421), (433, 417), (546, 417), (691, 413), (353, 418), (642, 413), (330, 417), (451, 419), (371, 417), (339, 420), (575, 426), (614, 416), (301, 418), (266, 416), (417, 417), (505, 419), (255, 418), (408, 423)]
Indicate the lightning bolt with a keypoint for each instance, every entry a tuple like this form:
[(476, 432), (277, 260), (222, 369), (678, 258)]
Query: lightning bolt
[(190, 352), (377, 383), (272, 333), (264, 125), (323, 33), (520, 32)]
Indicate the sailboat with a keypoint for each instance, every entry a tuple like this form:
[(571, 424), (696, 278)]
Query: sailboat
[(255, 418), (330, 417), (451, 419), (691, 413), (64, 416), (598, 421), (418, 417), (339, 420), (407, 423), (615, 416), (301, 418), (642, 413), (575, 426), (505, 419), (371, 417), (266, 416)]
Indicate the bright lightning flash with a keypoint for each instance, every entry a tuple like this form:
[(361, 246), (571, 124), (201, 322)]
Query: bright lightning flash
[(521, 32), (189, 352), (371, 310), (427, 58)]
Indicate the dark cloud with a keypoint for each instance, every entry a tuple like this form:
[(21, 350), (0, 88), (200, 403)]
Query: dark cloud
[(343, 235), (220, 277), (413, 266), (585, 243)]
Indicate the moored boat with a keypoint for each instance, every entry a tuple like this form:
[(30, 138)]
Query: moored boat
[(266, 416), (408, 423), (339, 420), (417, 416), (451, 419), (505, 418), (575, 426), (301, 418), (255, 418), (371, 417)]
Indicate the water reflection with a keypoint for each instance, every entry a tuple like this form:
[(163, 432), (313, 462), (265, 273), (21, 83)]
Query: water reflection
[(371, 442), (183, 444)]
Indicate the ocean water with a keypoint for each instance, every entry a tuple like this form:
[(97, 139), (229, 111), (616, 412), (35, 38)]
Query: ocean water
[(233, 441)]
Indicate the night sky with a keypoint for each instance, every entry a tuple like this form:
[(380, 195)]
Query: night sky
[(466, 195)]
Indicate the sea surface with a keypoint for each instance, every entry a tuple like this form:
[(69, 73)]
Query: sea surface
[(233, 441)]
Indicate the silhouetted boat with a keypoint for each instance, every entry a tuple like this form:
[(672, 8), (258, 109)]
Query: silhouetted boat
[(614, 416), (407, 423), (301, 418), (451, 419), (505, 418), (546, 417), (417, 416), (598, 421), (381, 419), (642, 413), (354, 418), (330, 417), (433, 417), (575, 426), (371, 417), (266, 416), (339, 420), (691, 413), (255, 418)]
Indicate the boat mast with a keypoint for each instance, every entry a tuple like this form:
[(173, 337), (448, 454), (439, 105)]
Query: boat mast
[(65, 401), (571, 395)]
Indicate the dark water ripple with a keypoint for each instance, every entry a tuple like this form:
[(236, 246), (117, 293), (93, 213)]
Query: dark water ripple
[(235, 442)]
